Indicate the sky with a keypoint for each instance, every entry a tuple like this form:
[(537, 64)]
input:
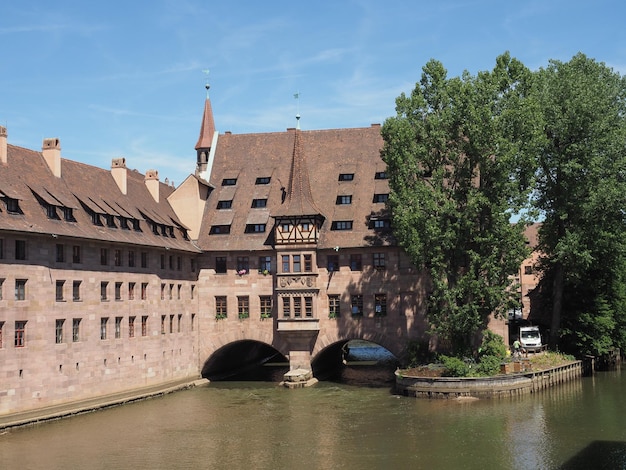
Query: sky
[(127, 78)]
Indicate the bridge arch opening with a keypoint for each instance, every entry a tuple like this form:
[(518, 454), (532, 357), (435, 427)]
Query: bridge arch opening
[(356, 362), (245, 360)]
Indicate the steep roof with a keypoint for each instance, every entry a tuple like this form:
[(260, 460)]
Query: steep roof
[(245, 159), (83, 188), (207, 129)]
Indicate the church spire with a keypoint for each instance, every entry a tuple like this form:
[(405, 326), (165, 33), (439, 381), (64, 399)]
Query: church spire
[(207, 133)]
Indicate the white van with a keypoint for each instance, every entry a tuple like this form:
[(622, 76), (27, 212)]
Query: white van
[(530, 338)]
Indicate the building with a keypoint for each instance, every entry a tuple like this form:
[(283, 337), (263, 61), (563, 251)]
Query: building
[(111, 280)]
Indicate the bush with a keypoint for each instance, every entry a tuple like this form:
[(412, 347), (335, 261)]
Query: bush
[(454, 367)]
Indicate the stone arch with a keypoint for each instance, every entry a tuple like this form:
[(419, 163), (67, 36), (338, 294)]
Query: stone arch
[(395, 345)]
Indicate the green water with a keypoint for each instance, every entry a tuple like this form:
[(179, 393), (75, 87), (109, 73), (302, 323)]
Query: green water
[(256, 425)]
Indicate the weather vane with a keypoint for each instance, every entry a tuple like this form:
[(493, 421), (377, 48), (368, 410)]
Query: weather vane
[(297, 97), (207, 86)]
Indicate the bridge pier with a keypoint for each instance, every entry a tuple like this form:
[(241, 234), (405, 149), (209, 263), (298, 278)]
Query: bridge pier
[(300, 336)]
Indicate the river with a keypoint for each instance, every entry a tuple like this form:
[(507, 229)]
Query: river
[(356, 423)]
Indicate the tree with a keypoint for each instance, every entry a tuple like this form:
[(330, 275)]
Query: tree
[(581, 193), (457, 167)]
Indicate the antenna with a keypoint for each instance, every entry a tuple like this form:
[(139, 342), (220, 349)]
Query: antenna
[(297, 97), (207, 86)]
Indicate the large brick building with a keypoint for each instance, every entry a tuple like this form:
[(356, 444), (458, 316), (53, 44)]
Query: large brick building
[(112, 280)]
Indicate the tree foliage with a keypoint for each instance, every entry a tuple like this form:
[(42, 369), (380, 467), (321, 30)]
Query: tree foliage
[(581, 193), (459, 160)]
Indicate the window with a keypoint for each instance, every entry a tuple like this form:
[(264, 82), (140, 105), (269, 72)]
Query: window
[(308, 307), (221, 310), (342, 200), (297, 307), (60, 253), (225, 204), (255, 228), (171, 324), (76, 290), (192, 262), (163, 324), (193, 321), (341, 225), (131, 259), (178, 290), (265, 264), (296, 263), (285, 228), (266, 306), (346, 176), (51, 211), (144, 290), (380, 305), (1, 334), (59, 290), (262, 180), (528, 269), (1, 288), (286, 264), (171, 292), (104, 285), (219, 230), (229, 181), (118, 291), (1, 248), (286, 307), (179, 322), (20, 289), (243, 306), (356, 305), (144, 259), (243, 265), (104, 256), (131, 327), (20, 334), (58, 331), (332, 263), (131, 291), (171, 260), (13, 206), (179, 263), (118, 327), (259, 203), (383, 197), (103, 327), (162, 261), (76, 254), (110, 221), (355, 262), (380, 175), (308, 263), (192, 291), (162, 291), (334, 310), (20, 249), (144, 325), (75, 330), (380, 224), (379, 260)]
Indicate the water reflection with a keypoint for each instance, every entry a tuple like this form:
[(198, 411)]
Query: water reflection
[(260, 425)]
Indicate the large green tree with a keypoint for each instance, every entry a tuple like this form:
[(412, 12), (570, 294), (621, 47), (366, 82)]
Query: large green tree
[(457, 167), (581, 193)]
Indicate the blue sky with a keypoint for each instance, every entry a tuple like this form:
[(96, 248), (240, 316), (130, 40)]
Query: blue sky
[(125, 79)]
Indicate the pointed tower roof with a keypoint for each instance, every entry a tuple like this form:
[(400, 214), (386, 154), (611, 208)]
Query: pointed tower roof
[(299, 200), (207, 129)]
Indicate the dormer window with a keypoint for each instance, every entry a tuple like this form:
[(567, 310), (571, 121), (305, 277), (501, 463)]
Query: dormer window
[(95, 218), (68, 214), (262, 180), (380, 175), (346, 176), (12, 205), (305, 227), (285, 227), (255, 228), (110, 221), (51, 211), (219, 230), (123, 223), (224, 204), (259, 203), (341, 225), (229, 181), (136, 225)]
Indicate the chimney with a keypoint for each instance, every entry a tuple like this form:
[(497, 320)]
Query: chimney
[(52, 154), (152, 183), (3, 145), (118, 171)]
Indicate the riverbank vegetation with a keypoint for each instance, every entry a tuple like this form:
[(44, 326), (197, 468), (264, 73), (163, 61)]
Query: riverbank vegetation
[(466, 154)]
